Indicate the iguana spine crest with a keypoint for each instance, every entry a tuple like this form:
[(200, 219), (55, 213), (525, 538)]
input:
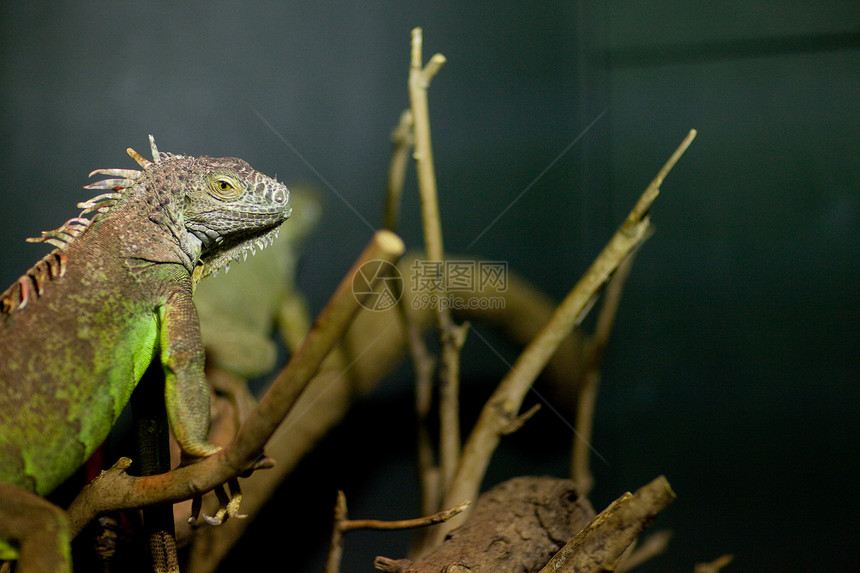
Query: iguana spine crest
[(32, 283)]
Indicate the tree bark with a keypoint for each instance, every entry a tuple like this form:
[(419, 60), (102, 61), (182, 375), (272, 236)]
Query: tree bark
[(517, 526)]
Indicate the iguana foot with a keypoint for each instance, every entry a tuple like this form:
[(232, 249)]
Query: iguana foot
[(228, 505)]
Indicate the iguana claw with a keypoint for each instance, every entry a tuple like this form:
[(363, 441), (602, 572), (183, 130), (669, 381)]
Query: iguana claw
[(228, 505)]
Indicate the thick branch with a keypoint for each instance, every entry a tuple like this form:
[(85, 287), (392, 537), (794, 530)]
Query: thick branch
[(115, 489), (598, 546), (516, 526), (329, 328)]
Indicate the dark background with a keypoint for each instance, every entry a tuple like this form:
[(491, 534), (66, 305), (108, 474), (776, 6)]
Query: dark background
[(734, 365)]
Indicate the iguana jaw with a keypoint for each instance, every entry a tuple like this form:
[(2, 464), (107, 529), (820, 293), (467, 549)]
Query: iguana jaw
[(223, 255), (231, 211)]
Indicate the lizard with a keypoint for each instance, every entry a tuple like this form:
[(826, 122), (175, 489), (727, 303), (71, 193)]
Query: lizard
[(78, 330)]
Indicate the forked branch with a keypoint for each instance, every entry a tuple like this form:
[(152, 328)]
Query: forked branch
[(451, 336)]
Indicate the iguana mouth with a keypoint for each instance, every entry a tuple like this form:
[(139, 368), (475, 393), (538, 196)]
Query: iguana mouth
[(226, 254)]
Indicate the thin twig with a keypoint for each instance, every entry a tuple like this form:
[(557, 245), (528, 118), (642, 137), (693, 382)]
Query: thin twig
[(403, 139), (343, 524), (587, 395), (715, 565), (436, 518), (451, 336), (506, 400), (423, 361), (653, 546), (335, 550), (425, 366), (115, 489), (419, 81), (580, 456)]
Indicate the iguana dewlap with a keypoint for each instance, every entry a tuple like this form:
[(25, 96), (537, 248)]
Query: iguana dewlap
[(78, 330)]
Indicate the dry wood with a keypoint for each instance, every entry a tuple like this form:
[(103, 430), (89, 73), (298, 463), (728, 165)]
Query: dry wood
[(451, 336), (516, 526), (599, 546)]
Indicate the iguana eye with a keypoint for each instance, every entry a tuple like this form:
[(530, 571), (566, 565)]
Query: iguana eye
[(225, 187)]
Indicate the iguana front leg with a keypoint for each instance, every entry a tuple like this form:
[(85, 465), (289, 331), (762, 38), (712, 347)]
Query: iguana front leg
[(186, 393), (39, 528), (185, 400)]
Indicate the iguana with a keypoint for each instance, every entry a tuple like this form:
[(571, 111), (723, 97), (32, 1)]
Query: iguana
[(78, 330)]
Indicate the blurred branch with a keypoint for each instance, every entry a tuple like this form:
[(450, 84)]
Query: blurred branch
[(653, 546), (715, 565), (403, 139)]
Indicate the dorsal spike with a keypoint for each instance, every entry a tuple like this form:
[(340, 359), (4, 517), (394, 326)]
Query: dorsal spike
[(126, 173), (141, 160), (156, 157), (115, 184)]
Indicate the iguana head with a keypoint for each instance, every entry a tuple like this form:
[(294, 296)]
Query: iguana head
[(219, 209), (231, 209)]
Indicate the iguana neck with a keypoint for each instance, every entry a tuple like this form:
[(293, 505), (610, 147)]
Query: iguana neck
[(149, 229)]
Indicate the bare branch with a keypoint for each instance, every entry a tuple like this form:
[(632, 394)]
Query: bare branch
[(342, 524), (587, 395), (403, 139), (714, 565), (653, 546), (598, 546), (423, 361), (439, 517), (451, 336)]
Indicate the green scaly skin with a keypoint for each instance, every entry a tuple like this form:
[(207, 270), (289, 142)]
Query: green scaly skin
[(80, 328)]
